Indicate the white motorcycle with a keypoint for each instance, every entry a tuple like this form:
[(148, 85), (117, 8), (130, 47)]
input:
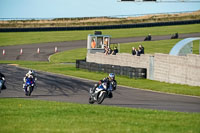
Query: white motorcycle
[(2, 84), (99, 93)]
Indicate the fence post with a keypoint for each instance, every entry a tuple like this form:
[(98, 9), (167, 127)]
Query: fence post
[(151, 68)]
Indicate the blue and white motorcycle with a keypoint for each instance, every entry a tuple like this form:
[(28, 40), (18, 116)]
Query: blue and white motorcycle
[(99, 92), (29, 86)]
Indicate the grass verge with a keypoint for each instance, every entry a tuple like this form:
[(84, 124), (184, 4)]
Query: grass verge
[(151, 47), (18, 115)]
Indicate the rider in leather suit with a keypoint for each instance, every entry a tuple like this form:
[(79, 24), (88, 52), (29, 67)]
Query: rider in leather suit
[(111, 84), (30, 74)]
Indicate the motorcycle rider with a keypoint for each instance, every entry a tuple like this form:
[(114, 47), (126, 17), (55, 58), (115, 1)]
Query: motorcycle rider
[(31, 74), (111, 84), (2, 82)]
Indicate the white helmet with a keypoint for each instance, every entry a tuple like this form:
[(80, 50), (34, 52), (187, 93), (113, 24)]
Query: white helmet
[(111, 76), (31, 72)]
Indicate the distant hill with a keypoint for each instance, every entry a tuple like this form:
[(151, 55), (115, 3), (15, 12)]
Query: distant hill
[(97, 21)]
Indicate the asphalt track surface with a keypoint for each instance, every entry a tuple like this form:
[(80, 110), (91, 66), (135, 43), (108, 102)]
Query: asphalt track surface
[(56, 87)]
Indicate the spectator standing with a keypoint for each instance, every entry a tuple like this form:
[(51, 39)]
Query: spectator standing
[(115, 51), (134, 51), (93, 45), (106, 42), (109, 50), (141, 49), (106, 50)]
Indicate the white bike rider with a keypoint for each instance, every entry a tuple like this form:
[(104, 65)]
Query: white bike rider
[(111, 84), (30, 74)]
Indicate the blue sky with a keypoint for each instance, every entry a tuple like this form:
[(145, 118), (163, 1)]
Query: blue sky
[(85, 8)]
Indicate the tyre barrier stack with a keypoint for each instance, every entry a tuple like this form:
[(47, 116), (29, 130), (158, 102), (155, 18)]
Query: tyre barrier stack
[(131, 72)]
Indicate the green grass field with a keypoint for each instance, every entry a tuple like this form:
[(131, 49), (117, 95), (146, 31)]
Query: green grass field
[(16, 38), (152, 47), (22, 116), (25, 115)]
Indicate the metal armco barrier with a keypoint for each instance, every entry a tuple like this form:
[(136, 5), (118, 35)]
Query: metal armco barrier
[(99, 27), (131, 72)]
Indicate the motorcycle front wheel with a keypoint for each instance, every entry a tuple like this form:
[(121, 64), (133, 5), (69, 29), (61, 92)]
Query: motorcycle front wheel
[(29, 90), (101, 98), (91, 101)]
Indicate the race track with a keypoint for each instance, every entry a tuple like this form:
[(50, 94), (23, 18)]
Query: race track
[(46, 49), (55, 87)]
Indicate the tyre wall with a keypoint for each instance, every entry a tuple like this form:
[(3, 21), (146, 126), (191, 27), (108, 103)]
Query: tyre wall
[(123, 59), (131, 72)]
